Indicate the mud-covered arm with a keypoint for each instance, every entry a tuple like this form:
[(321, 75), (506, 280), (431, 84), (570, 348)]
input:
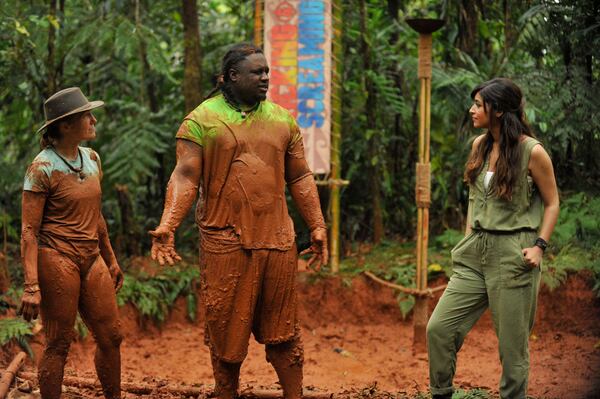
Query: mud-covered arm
[(107, 253), (181, 193), (301, 183), (303, 190), (306, 197), (542, 173), (106, 250), (32, 212)]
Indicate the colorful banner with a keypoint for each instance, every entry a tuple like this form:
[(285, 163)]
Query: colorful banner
[(298, 48)]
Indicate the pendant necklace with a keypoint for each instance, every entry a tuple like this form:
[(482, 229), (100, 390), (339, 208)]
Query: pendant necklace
[(78, 170), (233, 105)]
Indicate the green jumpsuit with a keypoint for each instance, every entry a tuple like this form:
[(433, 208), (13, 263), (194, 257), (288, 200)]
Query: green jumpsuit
[(490, 271)]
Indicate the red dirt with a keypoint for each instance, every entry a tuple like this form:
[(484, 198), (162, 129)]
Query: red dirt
[(355, 337)]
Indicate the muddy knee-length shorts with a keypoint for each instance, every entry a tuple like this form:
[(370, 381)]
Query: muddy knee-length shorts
[(248, 291)]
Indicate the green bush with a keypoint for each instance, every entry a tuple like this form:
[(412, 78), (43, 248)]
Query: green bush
[(16, 330), (575, 243), (578, 223), (154, 296)]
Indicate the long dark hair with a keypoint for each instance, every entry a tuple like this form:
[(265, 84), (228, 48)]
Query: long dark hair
[(236, 54), (500, 95)]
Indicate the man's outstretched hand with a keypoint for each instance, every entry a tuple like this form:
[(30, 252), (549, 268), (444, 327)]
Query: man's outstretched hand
[(319, 249), (163, 246)]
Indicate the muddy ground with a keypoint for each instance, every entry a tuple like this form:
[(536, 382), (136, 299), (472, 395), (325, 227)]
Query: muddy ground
[(358, 345)]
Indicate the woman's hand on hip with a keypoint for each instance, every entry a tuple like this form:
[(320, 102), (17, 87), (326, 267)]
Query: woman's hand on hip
[(117, 276), (533, 256), (30, 304)]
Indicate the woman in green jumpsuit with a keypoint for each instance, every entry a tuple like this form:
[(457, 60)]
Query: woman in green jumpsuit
[(513, 208)]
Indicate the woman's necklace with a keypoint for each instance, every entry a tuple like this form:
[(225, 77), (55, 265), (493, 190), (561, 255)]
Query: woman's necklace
[(78, 170), (236, 107)]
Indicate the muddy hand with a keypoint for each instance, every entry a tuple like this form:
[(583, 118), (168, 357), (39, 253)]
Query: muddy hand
[(318, 248), (163, 246), (117, 276), (30, 305)]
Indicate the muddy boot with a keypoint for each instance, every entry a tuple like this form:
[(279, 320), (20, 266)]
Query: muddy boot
[(227, 376), (287, 359)]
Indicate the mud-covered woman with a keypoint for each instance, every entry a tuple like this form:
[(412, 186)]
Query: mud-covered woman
[(68, 261), (513, 208)]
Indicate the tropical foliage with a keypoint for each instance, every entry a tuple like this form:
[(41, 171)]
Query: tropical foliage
[(16, 331), (154, 296), (130, 54)]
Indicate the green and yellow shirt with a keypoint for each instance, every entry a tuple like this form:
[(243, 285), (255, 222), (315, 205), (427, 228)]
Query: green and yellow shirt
[(246, 163)]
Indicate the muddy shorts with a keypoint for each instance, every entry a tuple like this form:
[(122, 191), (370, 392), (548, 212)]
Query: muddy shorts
[(248, 291)]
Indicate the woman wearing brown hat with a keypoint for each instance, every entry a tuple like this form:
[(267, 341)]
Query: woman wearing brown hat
[(68, 261)]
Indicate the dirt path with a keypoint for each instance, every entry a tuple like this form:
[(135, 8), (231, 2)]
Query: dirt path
[(354, 337)]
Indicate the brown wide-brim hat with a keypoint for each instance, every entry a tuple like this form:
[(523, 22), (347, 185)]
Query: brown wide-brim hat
[(64, 103)]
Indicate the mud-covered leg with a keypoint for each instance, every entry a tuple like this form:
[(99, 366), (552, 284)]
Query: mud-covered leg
[(98, 308), (227, 376), (59, 283), (287, 359)]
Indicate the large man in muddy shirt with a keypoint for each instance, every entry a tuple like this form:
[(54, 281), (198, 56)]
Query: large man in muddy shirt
[(242, 151)]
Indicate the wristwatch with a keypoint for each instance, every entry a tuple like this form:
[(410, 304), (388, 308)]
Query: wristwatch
[(540, 242)]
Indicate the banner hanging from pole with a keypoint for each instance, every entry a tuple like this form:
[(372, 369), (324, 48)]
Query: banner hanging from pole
[(297, 45)]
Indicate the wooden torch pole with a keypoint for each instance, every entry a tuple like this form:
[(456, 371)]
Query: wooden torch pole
[(425, 27), (259, 6), (423, 194), (336, 134)]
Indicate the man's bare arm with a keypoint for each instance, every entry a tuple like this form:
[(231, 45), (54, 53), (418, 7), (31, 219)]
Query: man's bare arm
[(306, 197), (181, 193)]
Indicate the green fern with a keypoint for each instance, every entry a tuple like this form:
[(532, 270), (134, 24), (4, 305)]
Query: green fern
[(16, 330), (154, 296)]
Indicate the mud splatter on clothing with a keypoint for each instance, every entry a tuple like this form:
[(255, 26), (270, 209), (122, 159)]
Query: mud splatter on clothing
[(70, 221), (249, 291), (246, 165)]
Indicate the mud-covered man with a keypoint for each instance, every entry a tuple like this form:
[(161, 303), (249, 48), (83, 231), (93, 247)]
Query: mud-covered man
[(241, 151)]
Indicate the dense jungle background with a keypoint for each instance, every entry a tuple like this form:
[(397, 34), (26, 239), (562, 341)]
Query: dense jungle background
[(154, 61)]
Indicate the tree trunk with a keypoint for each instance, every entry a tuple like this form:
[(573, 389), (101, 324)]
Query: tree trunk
[(192, 72), (393, 7), (373, 152), (148, 96), (508, 31), (50, 60), (468, 19), (129, 238)]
